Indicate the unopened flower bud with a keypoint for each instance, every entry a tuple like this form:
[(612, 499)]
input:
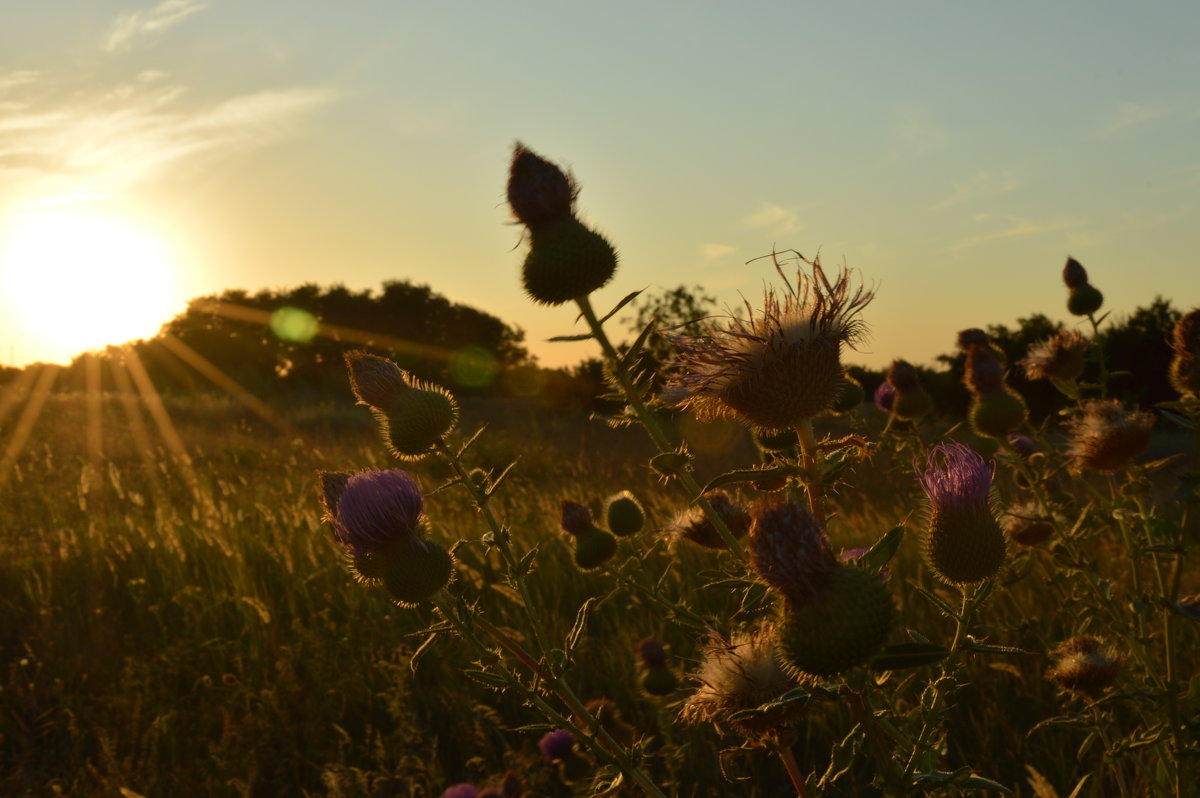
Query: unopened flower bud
[(593, 548), (538, 191), (1074, 275), (576, 519), (911, 400), (1027, 526), (624, 514), (775, 441), (997, 413), (885, 396), (972, 337), (566, 260), (694, 525), (850, 395), (413, 416)]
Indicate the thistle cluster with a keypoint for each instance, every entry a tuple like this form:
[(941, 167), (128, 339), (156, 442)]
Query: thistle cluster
[(908, 398), (593, 545), (413, 416)]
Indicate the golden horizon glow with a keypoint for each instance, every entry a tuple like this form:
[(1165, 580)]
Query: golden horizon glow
[(81, 280)]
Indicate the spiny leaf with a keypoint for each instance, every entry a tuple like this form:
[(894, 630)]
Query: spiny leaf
[(616, 308), (949, 611), (883, 550), (635, 348), (503, 474), (562, 338), (581, 619), (486, 679), (751, 475)]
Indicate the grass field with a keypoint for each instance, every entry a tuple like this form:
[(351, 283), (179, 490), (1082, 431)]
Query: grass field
[(190, 628)]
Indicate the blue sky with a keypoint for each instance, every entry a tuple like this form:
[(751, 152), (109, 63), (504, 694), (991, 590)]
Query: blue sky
[(952, 153)]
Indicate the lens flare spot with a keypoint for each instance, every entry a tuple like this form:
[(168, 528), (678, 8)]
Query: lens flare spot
[(473, 367), (718, 437), (294, 325)]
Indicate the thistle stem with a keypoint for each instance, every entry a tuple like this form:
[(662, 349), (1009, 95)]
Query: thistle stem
[(620, 374), (812, 484), (793, 768)]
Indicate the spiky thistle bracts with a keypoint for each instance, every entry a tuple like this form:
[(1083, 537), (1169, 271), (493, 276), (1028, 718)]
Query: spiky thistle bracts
[(1062, 356), (1085, 664), (378, 518), (963, 542), (832, 617), (413, 416), (781, 364), (1106, 437), (694, 526), (1083, 299)]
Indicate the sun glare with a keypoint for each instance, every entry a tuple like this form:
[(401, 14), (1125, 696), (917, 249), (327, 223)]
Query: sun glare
[(78, 282)]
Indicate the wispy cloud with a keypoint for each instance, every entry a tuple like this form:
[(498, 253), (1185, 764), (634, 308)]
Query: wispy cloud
[(713, 251), (914, 131), (1013, 227), (980, 185), (772, 217), (129, 29), (56, 142), (1129, 119)]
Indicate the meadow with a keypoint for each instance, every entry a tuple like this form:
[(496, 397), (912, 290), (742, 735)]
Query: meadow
[(754, 581)]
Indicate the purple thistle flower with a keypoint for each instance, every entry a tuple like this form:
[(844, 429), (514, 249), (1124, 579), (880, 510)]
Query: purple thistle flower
[(1023, 444), (460, 790), (954, 477), (373, 510), (557, 745), (885, 395)]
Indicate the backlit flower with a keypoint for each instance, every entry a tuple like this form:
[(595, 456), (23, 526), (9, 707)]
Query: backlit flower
[(1106, 437), (780, 365), (964, 542), (1060, 357), (1084, 664)]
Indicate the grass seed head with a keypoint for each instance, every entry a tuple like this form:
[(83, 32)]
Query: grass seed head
[(1106, 437), (780, 365)]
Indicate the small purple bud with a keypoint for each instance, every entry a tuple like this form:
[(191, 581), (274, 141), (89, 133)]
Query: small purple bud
[(576, 519), (1023, 444), (538, 191), (972, 337), (790, 551), (557, 745), (376, 381), (652, 653), (1074, 275)]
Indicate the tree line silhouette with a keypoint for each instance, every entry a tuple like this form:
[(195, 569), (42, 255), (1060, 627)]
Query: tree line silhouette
[(287, 345)]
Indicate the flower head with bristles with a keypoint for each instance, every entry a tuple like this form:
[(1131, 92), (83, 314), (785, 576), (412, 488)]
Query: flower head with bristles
[(1085, 664), (885, 396), (781, 364), (557, 744), (964, 543), (1106, 437), (1060, 357), (372, 510), (693, 525), (1185, 365), (742, 674)]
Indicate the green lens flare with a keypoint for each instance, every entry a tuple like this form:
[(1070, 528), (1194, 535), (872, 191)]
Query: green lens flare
[(473, 367), (293, 324)]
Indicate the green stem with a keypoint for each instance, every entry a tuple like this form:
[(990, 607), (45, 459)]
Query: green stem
[(620, 375), (502, 541), (784, 749), (812, 482)]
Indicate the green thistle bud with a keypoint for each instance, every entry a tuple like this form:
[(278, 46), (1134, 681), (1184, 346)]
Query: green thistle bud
[(567, 260), (416, 572), (1074, 275), (624, 514), (593, 548), (842, 629), (1084, 300), (413, 417), (538, 191), (910, 400), (964, 543), (850, 395), (417, 420), (997, 413)]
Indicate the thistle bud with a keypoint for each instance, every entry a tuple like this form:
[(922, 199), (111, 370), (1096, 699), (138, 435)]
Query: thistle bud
[(576, 519), (1185, 365), (538, 191), (566, 260), (983, 371), (559, 746), (413, 417), (849, 396), (972, 337), (775, 441), (624, 514), (885, 396), (911, 401), (593, 548), (378, 518), (1027, 526), (1083, 298), (1085, 664), (964, 543), (657, 679), (610, 719), (833, 617), (997, 413), (1106, 437)]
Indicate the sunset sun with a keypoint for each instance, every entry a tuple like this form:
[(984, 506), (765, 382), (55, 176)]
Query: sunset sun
[(84, 281)]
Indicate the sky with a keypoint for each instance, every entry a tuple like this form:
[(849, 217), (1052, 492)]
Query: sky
[(953, 154)]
